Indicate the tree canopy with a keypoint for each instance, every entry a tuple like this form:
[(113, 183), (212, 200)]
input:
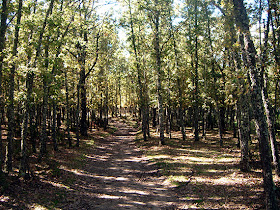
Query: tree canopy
[(66, 66)]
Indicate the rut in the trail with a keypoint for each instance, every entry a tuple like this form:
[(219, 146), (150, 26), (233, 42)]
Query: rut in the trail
[(118, 176)]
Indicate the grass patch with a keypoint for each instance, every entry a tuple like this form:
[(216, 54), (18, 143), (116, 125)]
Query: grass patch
[(112, 130), (90, 142)]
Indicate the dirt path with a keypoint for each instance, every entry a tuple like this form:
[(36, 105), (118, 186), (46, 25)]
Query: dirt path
[(118, 176), (110, 172), (106, 172)]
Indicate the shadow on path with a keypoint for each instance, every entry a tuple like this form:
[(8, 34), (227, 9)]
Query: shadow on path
[(112, 174), (122, 177)]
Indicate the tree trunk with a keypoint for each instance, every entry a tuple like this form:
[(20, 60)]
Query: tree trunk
[(196, 95), (83, 122), (159, 72), (3, 28), (54, 127), (204, 116), (181, 115), (67, 110), (242, 22), (154, 117), (30, 76), (244, 131), (11, 115), (44, 135), (23, 172), (77, 114), (139, 79), (268, 108)]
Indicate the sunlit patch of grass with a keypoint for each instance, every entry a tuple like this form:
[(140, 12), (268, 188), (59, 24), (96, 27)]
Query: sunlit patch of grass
[(110, 130), (158, 156), (90, 142), (103, 135), (178, 180), (36, 206)]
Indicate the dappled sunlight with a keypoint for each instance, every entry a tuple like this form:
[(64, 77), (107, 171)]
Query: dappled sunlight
[(36, 206), (228, 180), (114, 173), (133, 191), (55, 184), (199, 160), (134, 159), (204, 174), (109, 196)]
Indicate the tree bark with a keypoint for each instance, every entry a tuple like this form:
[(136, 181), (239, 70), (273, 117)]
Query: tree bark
[(54, 126), (139, 78), (67, 110), (181, 115), (11, 115), (83, 122), (244, 131), (242, 22), (77, 114), (44, 135), (196, 95), (182, 124), (3, 28), (157, 49), (268, 108)]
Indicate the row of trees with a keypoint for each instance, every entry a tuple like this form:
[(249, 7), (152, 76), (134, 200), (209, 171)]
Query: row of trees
[(194, 63), (56, 72), (206, 66)]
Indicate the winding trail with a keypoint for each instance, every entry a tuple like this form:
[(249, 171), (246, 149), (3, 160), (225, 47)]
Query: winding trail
[(119, 176)]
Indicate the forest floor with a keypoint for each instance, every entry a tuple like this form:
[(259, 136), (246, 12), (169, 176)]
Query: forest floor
[(116, 169)]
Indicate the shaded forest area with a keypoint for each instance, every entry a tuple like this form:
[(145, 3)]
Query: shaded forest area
[(194, 65)]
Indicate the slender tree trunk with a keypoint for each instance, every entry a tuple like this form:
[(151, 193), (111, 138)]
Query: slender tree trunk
[(182, 124), (54, 126), (106, 105), (168, 113), (244, 131), (83, 122), (181, 115), (23, 172), (30, 77), (154, 117), (242, 22), (67, 110), (159, 73), (77, 114), (44, 135), (139, 78), (11, 115), (268, 108), (120, 96), (3, 28), (196, 95), (204, 114)]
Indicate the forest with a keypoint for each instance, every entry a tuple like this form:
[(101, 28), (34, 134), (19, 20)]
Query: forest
[(171, 72)]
